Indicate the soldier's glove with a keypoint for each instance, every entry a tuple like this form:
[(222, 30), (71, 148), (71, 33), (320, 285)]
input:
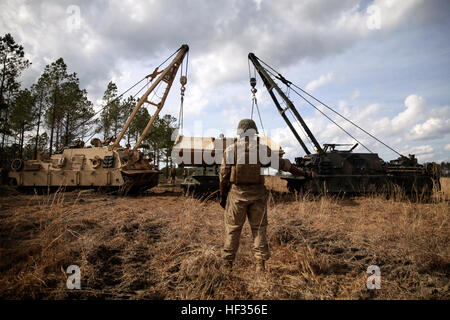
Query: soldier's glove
[(223, 189), (296, 171)]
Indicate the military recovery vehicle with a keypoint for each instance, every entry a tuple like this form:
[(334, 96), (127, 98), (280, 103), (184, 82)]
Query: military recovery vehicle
[(204, 155), (330, 170), (97, 166), (104, 164), (190, 153), (203, 181)]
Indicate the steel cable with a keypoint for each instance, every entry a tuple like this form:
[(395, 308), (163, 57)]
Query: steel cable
[(289, 83)]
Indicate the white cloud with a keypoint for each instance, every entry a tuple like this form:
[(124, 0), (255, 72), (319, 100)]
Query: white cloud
[(431, 129), (422, 152), (116, 40), (426, 157), (418, 150), (355, 95), (323, 80), (416, 122), (443, 112), (220, 33), (447, 147), (364, 114), (395, 131), (415, 111)]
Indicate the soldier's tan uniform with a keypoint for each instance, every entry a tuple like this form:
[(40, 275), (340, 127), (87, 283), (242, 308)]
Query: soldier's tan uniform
[(247, 198)]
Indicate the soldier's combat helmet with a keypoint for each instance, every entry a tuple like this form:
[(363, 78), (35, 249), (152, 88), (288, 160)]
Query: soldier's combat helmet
[(246, 124)]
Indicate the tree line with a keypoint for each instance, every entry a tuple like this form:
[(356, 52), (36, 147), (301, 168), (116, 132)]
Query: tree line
[(445, 169), (55, 112)]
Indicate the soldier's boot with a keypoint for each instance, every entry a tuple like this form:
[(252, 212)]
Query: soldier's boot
[(260, 266)]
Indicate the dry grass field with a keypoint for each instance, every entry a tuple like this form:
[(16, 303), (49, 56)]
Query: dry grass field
[(165, 246), (445, 186)]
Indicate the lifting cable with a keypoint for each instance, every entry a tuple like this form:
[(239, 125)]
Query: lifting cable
[(102, 108), (253, 84), (183, 82), (343, 117), (296, 122), (254, 100), (130, 88), (117, 98), (255, 103), (302, 130), (325, 115), (169, 57), (289, 83)]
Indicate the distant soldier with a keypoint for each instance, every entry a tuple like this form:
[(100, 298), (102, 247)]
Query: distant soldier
[(243, 194), (109, 141), (173, 174), (96, 142), (78, 144)]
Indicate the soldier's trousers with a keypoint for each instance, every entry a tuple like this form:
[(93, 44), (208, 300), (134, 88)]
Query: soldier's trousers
[(246, 202)]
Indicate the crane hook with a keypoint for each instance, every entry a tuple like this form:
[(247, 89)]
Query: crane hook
[(183, 80)]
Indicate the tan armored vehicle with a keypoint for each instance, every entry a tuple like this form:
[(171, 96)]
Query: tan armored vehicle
[(96, 166), (204, 156), (103, 164)]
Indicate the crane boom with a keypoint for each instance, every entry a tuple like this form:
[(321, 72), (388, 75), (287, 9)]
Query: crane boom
[(271, 85), (167, 75)]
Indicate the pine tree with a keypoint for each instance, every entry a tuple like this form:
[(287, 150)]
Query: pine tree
[(160, 139), (77, 110), (111, 116), (126, 108), (55, 74), (39, 91), (67, 110), (22, 116), (12, 63)]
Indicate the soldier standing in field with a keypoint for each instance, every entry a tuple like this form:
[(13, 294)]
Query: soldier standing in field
[(243, 194), (173, 174)]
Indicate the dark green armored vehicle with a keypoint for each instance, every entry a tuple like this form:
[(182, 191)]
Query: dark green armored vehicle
[(339, 171), (342, 171), (203, 181), (328, 170)]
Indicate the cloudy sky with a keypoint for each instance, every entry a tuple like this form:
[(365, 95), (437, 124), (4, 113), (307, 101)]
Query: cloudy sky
[(384, 64)]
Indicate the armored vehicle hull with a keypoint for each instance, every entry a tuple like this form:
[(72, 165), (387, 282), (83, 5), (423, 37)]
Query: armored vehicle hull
[(202, 182), (120, 169), (205, 155), (343, 172)]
